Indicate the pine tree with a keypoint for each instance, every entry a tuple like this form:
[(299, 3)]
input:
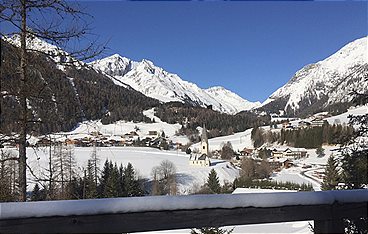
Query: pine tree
[(89, 180), (320, 151), (227, 151), (257, 137), (37, 194), (213, 182), (112, 187), (106, 171), (331, 178), (132, 185), (354, 165), (355, 153)]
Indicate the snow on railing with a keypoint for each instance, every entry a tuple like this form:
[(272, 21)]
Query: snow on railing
[(14, 210), (171, 212)]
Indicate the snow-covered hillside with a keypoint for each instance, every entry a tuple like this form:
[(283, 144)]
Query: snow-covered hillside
[(328, 81), (231, 101), (143, 160), (36, 44), (157, 83), (343, 118), (119, 128), (239, 141)]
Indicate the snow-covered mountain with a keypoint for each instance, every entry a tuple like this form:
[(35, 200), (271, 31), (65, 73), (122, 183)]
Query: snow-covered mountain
[(325, 83), (230, 100), (35, 44), (157, 83)]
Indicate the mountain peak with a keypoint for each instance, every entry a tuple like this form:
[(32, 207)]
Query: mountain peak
[(157, 83), (216, 88), (114, 65), (329, 81)]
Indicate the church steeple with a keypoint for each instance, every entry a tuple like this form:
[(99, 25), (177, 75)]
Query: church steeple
[(204, 141)]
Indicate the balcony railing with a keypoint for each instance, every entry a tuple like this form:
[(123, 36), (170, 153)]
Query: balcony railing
[(121, 215)]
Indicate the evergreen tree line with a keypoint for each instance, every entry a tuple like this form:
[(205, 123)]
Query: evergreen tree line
[(270, 184), (212, 186), (112, 181), (256, 174), (346, 172), (311, 137), (217, 124)]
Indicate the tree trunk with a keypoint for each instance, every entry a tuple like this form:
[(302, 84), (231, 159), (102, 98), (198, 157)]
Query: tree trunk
[(23, 106)]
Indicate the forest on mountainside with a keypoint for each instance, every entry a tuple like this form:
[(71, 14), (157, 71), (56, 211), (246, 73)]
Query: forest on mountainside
[(217, 124), (59, 99), (311, 137)]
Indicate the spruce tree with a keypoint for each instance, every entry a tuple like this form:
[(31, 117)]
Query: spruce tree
[(331, 178), (213, 182), (106, 171), (112, 187), (131, 184), (89, 180), (320, 151), (355, 153), (37, 194)]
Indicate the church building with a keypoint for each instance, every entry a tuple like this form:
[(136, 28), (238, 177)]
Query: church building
[(202, 158)]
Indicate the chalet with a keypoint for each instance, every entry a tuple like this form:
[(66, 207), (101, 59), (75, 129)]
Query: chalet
[(285, 124), (44, 142), (114, 142), (152, 133), (246, 152), (201, 159), (96, 133), (295, 153), (304, 124), (70, 141), (279, 163), (276, 153), (317, 123)]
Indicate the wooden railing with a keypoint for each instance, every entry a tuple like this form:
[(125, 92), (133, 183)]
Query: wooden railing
[(121, 215)]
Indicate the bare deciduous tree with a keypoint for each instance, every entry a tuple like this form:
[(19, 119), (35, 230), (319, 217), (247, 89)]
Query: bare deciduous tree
[(164, 179), (60, 23)]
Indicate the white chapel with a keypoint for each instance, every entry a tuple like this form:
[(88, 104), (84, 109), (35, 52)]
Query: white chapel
[(202, 158)]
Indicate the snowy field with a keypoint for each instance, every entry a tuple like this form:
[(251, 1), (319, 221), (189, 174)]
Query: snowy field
[(119, 128), (343, 118), (143, 160), (239, 141)]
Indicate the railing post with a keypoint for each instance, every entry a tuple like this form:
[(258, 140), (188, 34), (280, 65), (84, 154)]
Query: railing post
[(332, 224), (329, 226)]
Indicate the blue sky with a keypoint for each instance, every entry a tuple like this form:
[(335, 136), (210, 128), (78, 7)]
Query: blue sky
[(251, 48)]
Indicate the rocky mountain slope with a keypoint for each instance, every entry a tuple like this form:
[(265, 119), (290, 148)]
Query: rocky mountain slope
[(325, 84), (60, 97), (157, 83)]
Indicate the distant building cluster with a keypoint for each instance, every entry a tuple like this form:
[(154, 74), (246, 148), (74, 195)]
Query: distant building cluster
[(154, 138)]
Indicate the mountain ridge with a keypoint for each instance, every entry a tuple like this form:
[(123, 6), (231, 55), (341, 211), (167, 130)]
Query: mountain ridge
[(155, 82), (325, 83)]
